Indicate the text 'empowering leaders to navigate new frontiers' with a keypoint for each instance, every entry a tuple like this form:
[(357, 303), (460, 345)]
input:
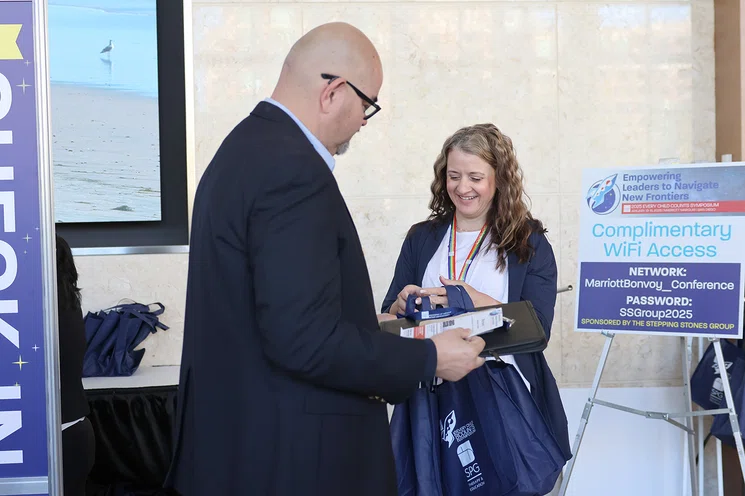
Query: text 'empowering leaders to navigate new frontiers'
[(670, 185)]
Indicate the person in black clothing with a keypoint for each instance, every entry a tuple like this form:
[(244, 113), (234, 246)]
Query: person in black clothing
[(285, 373), (78, 439)]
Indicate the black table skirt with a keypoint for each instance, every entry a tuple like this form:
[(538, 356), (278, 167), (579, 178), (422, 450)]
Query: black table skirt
[(134, 439)]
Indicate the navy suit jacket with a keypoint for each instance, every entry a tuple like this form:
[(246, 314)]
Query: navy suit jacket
[(534, 281), (283, 365)]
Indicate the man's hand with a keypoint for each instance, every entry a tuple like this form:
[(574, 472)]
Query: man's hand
[(457, 353)]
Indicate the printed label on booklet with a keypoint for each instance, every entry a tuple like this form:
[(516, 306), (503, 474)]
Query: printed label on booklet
[(479, 322)]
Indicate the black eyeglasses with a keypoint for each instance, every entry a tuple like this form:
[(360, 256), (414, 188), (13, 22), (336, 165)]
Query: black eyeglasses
[(373, 109)]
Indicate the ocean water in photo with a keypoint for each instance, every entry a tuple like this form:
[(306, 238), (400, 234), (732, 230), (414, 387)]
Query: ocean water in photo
[(80, 29)]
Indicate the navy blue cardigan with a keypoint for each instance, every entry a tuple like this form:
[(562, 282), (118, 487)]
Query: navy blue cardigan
[(534, 281)]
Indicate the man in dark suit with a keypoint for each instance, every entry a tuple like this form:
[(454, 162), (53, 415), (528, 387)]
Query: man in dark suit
[(284, 374)]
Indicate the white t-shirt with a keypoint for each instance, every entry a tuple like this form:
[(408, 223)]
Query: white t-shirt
[(482, 275)]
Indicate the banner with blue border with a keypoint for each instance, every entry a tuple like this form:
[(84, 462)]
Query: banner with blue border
[(661, 250), (23, 428)]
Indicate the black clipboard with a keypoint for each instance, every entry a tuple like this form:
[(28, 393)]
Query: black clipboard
[(525, 333)]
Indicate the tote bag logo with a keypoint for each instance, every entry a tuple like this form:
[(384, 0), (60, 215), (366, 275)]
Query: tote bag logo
[(465, 454), (447, 427)]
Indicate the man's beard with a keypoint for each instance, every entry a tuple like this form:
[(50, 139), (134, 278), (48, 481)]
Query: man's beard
[(342, 149)]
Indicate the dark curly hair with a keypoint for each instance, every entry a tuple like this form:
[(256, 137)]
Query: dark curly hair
[(68, 292), (509, 221)]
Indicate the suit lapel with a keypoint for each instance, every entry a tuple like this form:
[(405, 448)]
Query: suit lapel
[(516, 277)]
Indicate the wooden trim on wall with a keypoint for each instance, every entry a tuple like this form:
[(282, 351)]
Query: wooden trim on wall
[(729, 67)]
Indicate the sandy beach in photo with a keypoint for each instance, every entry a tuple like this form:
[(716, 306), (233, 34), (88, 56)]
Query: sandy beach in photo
[(105, 150)]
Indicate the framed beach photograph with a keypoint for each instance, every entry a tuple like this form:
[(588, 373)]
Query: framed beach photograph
[(118, 141), (104, 93)]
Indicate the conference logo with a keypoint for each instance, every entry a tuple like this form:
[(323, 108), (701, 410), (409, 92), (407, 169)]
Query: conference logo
[(603, 197), (447, 427)]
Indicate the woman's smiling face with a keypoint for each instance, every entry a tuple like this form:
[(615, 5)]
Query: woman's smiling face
[(471, 185)]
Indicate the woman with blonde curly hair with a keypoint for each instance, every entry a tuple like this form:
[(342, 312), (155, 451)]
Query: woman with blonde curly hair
[(481, 235)]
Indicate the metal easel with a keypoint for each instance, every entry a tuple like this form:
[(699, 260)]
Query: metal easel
[(686, 422)]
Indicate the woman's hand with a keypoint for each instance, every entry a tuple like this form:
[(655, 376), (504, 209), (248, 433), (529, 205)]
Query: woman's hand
[(438, 296), (399, 306)]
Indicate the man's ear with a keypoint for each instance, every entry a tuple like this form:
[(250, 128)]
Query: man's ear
[(330, 94)]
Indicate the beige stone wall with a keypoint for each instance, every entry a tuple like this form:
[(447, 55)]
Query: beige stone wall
[(574, 83)]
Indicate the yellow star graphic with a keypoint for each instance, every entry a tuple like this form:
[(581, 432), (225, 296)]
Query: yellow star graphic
[(8, 45), (20, 363)]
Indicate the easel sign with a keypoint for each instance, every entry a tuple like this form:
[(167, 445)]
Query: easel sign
[(661, 250)]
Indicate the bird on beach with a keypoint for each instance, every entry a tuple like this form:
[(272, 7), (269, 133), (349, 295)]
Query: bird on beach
[(107, 49)]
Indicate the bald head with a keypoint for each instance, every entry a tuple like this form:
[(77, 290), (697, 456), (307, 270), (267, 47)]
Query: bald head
[(344, 52), (336, 48)]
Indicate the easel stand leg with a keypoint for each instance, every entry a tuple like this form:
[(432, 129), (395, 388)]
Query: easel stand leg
[(730, 405), (686, 425), (586, 413), (701, 448), (686, 355)]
